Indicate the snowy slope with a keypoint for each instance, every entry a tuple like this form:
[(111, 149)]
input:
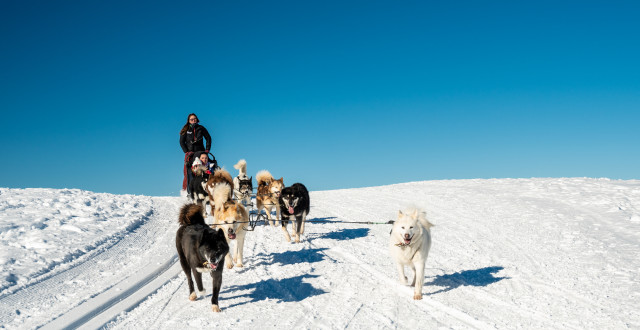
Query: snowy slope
[(507, 253)]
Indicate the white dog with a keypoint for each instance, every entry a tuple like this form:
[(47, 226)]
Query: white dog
[(409, 246)]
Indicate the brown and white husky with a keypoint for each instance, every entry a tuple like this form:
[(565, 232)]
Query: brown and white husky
[(269, 190), (218, 177), (232, 218)]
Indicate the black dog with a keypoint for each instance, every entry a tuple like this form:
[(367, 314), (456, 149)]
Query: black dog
[(294, 205), (197, 186), (200, 249)]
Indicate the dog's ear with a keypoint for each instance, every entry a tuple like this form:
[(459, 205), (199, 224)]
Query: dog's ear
[(415, 214), (399, 213), (220, 233), (281, 180)]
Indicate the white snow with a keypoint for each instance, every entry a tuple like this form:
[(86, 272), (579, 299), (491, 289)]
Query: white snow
[(507, 253)]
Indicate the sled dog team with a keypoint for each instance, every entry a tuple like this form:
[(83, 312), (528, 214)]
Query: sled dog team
[(201, 248)]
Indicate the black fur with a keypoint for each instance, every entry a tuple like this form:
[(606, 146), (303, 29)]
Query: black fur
[(298, 197), (244, 188), (200, 178), (196, 243)]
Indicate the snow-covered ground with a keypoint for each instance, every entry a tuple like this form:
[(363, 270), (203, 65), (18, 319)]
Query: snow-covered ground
[(507, 253)]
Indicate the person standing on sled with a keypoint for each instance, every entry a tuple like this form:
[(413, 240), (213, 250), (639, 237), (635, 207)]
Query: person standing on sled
[(192, 136)]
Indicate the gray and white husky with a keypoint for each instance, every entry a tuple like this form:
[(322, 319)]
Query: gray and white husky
[(409, 246), (242, 184)]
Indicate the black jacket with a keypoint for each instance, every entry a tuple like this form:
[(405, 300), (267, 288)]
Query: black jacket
[(191, 140)]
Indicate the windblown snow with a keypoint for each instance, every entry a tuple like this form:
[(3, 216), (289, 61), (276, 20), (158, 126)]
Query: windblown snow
[(506, 253)]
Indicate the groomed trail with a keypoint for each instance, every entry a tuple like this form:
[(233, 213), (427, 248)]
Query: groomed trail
[(90, 291), (507, 253)]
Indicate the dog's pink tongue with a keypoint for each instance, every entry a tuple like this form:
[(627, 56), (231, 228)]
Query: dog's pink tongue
[(290, 210), (213, 266)]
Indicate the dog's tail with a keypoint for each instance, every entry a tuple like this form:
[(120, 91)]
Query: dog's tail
[(422, 217), (191, 214), (264, 177), (241, 166), (221, 174), (221, 196)]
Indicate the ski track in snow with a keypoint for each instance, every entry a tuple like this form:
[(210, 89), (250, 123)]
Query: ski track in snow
[(507, 253)]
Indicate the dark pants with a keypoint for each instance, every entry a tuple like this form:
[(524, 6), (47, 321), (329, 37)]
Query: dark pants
[(189, 179)]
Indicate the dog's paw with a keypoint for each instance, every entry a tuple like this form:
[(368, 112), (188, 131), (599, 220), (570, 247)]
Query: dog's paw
[(229, 265), (215, 308), (193, 296), (417, 296)]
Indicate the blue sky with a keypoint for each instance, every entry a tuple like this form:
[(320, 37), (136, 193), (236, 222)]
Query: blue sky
[(333, 94)]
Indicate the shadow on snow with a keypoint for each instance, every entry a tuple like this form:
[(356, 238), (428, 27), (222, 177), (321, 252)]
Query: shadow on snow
[(342, 234), (476, 277), (321, 221), (291, 257), (291, 289)]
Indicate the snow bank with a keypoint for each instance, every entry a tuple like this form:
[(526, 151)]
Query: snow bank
[(43, 231)]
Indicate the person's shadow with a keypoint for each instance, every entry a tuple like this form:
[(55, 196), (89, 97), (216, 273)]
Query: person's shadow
[(476, 277), (291, 289)]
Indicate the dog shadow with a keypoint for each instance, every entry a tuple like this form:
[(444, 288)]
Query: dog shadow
[(291, 289), (476, 277), (342, 234), (322, 221), (291, 257)]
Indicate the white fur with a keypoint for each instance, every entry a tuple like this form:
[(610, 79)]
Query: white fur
[(413, 224), (241, 166), (203, 270), (220, 197)]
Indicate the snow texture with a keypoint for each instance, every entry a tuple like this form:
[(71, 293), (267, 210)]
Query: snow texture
[(506, 253)]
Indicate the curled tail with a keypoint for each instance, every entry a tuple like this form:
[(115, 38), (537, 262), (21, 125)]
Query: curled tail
[(263, 177), (191, 214), (241, 166), (222, 175), (422, 217), (221, 196)]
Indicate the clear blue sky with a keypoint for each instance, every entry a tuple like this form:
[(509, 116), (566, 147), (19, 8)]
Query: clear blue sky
[(333, 94)]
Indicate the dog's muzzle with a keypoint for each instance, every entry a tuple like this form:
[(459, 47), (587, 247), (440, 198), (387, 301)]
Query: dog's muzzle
[(210, 265), (231, 234)]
